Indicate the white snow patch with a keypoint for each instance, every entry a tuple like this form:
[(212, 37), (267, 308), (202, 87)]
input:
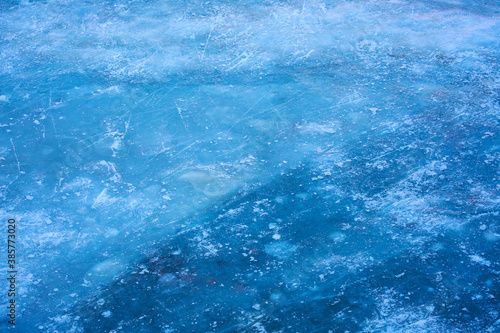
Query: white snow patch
[(103, 199), (480, 260)]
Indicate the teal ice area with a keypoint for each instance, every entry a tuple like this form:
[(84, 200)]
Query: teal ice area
[(251, 166)]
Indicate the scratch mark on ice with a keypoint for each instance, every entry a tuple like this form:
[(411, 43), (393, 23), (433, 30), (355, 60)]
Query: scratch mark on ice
[(206, 43), (14, 150), (179, 111)]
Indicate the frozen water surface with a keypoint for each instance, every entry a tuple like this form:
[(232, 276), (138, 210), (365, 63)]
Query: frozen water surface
[(252, 166)]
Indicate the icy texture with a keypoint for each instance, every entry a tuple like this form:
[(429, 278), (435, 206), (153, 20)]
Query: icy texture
[(252, 166)]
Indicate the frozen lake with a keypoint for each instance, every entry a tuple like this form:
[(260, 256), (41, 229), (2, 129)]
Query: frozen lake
[(251, 166)]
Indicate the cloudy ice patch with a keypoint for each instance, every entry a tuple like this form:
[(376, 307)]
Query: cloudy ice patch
[(281, 250), (105, 271), (106, 314), (210, 183)]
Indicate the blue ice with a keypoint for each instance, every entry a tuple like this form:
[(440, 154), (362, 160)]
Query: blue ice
[(251, 166)]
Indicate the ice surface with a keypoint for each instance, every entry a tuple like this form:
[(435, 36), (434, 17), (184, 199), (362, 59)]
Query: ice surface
[(252, 166)]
